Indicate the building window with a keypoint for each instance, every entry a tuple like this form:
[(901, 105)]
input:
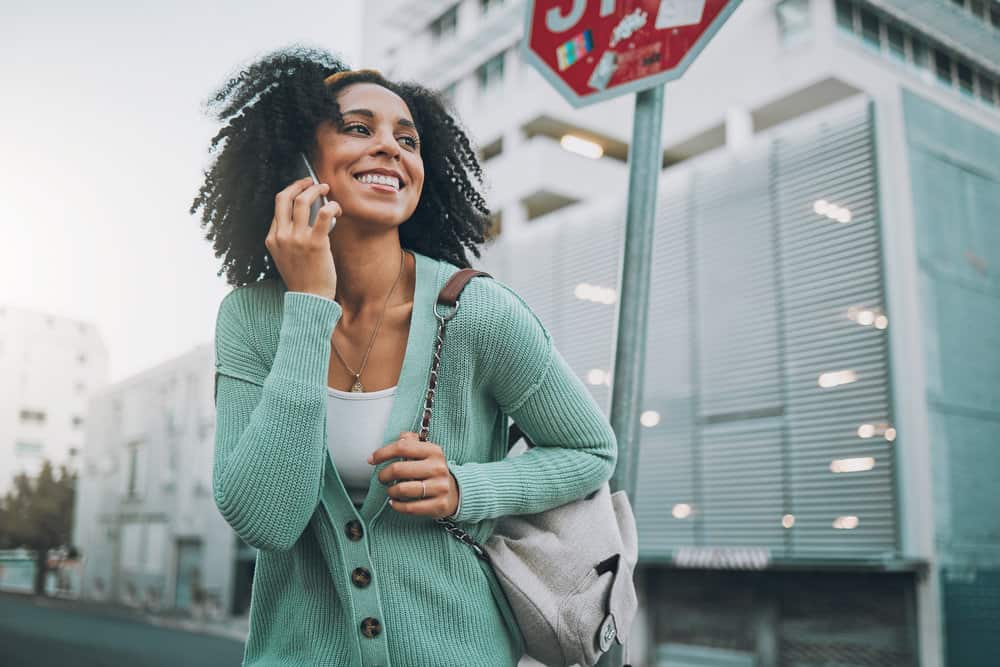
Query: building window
[(793, 21), (32, 417), (869, 28), (896, 41), (486, 6), (987, 11), (23, 448), (965, 81), (942, 67), (135, 473), (934, 62), (491, 150), (77, 421), (445, 25), (489, 75), (496, 225), (81, 358), (845, 15)]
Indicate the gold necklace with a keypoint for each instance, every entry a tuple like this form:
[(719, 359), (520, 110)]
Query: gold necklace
[(357, 386)]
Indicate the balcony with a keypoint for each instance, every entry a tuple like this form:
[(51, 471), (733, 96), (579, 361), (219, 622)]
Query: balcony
[(543, 176)]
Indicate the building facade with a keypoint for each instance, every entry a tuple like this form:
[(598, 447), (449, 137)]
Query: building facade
[(822, 384), (146, 525), (49, 368)]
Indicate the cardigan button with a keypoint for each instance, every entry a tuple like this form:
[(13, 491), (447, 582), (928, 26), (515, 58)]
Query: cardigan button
[(370, 627), (361, 577), (354, 530)]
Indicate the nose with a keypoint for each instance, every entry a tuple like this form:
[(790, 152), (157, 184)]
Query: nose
[(385, 143)]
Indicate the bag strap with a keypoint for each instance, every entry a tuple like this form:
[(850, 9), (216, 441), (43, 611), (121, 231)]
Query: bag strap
[(449, 296)]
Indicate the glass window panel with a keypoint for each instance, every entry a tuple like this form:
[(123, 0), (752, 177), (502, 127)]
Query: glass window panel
[(793, 20), (920, 52), (490, 73), (845, 15), (964, 78), (869, 28), (987, 91), (446, 24), (897, 46), (942, 66)]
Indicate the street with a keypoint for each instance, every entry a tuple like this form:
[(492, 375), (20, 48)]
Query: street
[(43, 632)]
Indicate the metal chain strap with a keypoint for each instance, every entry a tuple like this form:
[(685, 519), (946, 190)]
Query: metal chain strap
[(425, 425)]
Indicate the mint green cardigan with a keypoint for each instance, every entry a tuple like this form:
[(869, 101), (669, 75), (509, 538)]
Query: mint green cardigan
[(428, 601)]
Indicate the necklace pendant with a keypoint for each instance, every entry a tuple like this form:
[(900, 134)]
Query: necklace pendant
[(356, 387)]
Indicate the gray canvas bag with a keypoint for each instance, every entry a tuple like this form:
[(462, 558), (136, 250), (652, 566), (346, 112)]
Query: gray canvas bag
[(567, 572)]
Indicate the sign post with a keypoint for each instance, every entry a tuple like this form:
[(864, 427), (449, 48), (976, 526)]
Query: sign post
[(595, 50)]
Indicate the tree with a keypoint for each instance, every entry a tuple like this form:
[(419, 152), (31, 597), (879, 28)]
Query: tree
[(38, 515)]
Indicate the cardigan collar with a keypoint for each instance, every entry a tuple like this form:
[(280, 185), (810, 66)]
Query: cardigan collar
[(407, 403)]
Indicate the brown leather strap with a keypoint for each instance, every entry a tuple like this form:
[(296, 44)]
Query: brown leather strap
[(455, 285)]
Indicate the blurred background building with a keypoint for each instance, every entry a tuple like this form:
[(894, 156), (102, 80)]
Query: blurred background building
[(146, 525), (50, 366), (816, 472)]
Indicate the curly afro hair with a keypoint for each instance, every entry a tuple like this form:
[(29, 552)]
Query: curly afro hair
[(270, 112)]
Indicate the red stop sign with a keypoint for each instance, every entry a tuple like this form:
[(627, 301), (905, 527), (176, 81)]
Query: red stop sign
[(593, 50)]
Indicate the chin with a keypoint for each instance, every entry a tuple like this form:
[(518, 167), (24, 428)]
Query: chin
[(374, 215)]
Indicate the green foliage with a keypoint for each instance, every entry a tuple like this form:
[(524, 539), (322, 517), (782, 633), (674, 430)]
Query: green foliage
[(37, 513)]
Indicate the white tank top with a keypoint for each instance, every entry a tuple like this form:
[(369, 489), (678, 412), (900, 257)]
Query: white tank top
[(355, 426)]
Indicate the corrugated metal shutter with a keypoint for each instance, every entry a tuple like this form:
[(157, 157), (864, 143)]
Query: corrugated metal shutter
[(584, 333), (665, 476), (828, 267), (750, 294), (738, 361)]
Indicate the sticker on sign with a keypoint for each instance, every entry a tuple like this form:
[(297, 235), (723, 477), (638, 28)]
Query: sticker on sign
[(593, 50), (675, 13)]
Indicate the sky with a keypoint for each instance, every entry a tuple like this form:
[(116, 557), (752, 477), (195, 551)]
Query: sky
[(103, 144)]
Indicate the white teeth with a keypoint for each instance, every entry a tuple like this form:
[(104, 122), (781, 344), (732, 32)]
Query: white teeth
[(380, 179)]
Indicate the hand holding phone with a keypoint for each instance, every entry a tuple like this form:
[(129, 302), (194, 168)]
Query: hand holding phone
[(307, 172), (299, 237)]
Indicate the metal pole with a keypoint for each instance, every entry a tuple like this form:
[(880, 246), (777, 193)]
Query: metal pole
[(645, 159)]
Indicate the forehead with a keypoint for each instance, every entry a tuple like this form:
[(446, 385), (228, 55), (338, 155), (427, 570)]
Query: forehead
[(375, 98)]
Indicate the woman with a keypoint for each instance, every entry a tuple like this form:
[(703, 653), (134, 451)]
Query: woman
[(323, 352)]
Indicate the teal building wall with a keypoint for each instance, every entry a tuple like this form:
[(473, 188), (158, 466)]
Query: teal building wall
[(955, 171)]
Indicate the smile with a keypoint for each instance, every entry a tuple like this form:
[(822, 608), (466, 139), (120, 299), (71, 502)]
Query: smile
[(380, 182)]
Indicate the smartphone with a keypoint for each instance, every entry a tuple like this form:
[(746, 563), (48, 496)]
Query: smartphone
[(321, 201)]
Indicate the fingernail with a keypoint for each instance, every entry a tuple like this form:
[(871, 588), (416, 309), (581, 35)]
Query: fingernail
[(371, 459)]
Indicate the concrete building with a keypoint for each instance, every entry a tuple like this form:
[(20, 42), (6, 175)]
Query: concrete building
[(821, 397), (49, 368), (146, 525)]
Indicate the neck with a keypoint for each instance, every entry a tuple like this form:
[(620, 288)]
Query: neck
[(367, 268)]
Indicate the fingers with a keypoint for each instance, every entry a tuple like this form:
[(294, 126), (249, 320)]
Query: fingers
[(302, 202), (408, 445), (327, 214), (283, 202), (410, 490), (400, 471)]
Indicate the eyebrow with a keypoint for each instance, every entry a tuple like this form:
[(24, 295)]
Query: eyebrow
[(371, 114)]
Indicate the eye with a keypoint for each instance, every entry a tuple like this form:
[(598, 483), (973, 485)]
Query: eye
[(355, 126), (412, 142)]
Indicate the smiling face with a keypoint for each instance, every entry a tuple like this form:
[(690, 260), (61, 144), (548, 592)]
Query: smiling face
[(372, 160)]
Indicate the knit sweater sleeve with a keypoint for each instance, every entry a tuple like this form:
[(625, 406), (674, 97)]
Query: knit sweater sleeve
[(268, 458), (575, 447)]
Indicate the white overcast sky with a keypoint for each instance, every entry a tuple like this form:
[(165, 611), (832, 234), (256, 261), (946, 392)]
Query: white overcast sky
[(102, 147)]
